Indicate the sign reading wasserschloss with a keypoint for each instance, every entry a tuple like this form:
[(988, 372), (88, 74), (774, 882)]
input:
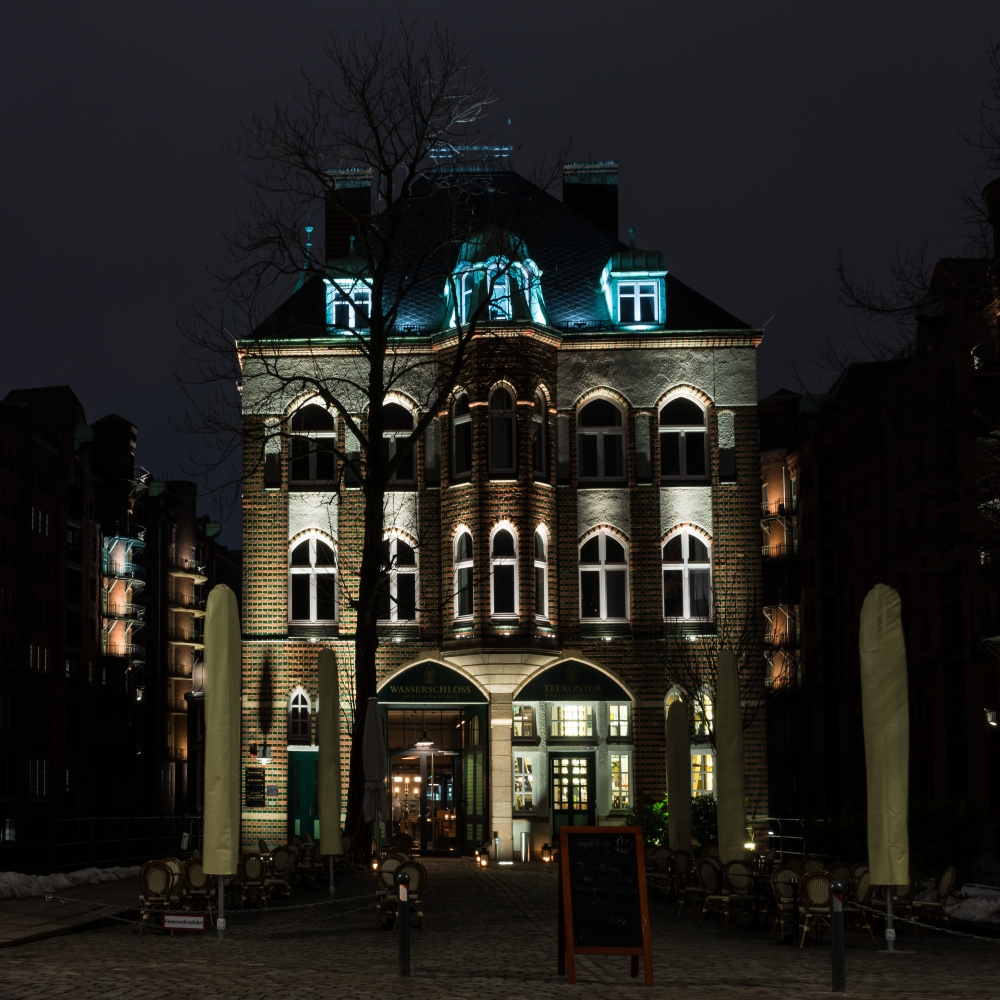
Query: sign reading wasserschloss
[(430, 683)]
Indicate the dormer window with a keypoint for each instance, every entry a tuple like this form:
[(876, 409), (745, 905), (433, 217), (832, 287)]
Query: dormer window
[(637, 302), (635, 288), (348, 304)]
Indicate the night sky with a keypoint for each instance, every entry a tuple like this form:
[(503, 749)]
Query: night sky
[(754, 142)]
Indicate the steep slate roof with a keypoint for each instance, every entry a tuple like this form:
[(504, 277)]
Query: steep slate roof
[(569, 250)]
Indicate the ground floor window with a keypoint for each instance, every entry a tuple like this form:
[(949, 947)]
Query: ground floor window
[(524, 782), (702, 771), (572, 720), (621, 784)]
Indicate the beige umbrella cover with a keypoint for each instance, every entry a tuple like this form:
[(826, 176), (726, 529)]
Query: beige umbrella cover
[(221, 848), (373, 757), (329, 755), (679, 775), (729, 760), (886, 711)]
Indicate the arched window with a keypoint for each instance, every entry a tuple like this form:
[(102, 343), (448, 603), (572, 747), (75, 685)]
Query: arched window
[(463, 575), (687, 576), (603, 578), (499, 283), (313, 581), (314, 437), (503, 432), (538, 455), (397, 426), (299, 717), (602, 441), (461, 437), (503, 573), (683, 440), (348, 304), (541, 575), (398, 591)]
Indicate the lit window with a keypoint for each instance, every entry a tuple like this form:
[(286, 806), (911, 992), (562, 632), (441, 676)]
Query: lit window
[(621, 786), (397, 599), (468, 284), (703, 715), (524, 721), (571, 720), (461, 431), (603, 578), (397, 427), (524, 781), (313, 581), (637, 302), (538, 456), (503, 574), (299, 712), (618, 721), (683, 441), (702, 772), (601, 441), (687, 577), (503, 432), (463, 575), (348, 306), (500, 305), (541, 577), (313, 439)]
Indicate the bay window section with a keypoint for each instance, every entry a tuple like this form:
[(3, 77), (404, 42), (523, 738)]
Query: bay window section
[(538, 455), (502, 433), (463, 575), (461, 433), (503, 574), (541, 577)]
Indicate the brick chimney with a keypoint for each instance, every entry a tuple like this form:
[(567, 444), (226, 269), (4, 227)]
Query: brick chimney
[(991, 195), (591, 189), (350, 194)]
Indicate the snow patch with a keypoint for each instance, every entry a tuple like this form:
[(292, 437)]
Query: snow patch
[(14, 885), (975, 903)]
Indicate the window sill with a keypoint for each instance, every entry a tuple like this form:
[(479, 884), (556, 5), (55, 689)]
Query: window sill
[(312, 630), (605, 629), (463, 480), (619, 741), (398, 631), (503, 477), (526, 741), (313, 486), (602, 484), (686, 481), (688, 627)]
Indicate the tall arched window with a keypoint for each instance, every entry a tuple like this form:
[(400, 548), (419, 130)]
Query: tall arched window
[(398, 592), (503, 573), (397, 426), (541, 575), (313, 439), (603, 578), (683, 440), (538, 456), (601, 439), (463, 575), (299, 717), (461, 437), (503, 432), (687, 576), (313, 581)]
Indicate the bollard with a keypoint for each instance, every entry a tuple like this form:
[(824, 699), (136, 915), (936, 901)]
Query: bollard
[(890, 931), (220, 923), (525, 850), (795, 911), (333, 887), (403, 920), (837, 956)]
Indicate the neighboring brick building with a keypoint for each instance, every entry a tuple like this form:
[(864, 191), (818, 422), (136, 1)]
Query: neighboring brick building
[(883, 480), (566, 522)]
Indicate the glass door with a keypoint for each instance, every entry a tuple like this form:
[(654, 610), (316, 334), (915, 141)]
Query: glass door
[(571, 778)]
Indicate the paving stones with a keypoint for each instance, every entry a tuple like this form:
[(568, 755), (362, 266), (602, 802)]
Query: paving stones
[(490, 936)]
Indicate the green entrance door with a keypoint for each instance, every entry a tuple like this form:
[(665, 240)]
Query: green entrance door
[(303, 817), (571, 778)]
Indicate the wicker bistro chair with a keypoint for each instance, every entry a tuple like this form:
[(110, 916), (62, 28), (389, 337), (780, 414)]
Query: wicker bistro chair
[(812, 864), (176, 867), (857, 902), (658, 875), (689, 884), (814, 902), (310, 866), (265, 851), (156, 882), (680, 871), (385, 887), (713, 893), (737, 877), (415, 894), (198, 889), (783, 881), (251, 872), (279, 876), (934, 909)]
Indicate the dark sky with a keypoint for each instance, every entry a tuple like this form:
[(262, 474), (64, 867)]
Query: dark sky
[(755, 141)]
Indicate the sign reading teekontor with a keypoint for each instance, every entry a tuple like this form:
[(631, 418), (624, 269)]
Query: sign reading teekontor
[(572, 680), (183, 921), (430, 683)]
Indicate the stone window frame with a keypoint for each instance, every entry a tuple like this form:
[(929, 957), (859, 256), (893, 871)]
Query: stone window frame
[(603, 532), (684, 565), (507, 419), (297, 435), (463, 564), (503, 561), (299, 732), (541, 573), (601, 432), (313, 571), (682, 430), (396, 569)]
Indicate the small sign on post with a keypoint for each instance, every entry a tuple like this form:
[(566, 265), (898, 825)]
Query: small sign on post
[(184, 922)]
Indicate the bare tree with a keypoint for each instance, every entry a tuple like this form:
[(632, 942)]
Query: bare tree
[(396, 116)]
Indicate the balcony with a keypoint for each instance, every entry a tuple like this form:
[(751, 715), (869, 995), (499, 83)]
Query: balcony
[(124, 569), (189, 570), (185, 637), (185, 602), (782, 640), (126, 612), (778, 550), (780, 507), (125, 651), (179, 670)]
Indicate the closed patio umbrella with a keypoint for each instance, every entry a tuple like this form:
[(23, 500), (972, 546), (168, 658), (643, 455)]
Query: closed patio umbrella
[(679, 775), (376, 800), (329, 778), (729, 760), (886, 712), (221, 847)]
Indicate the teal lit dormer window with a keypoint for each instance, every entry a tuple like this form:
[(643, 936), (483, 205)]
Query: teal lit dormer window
[(635, 288), (494, 281), (348, 304)]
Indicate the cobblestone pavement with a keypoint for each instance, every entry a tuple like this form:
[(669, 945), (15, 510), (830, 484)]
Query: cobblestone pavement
[(490, 936)]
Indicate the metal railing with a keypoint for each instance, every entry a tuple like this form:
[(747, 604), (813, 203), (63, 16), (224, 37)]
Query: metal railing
[(186, 601), (185, 635), (778, 550), (782, 835), (133, 612), (125, 650), (776, 508), (179, 669), (124, 569)]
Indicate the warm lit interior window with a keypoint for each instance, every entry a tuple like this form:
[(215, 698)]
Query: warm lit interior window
[(572, 720), (618, 724), (524, 781), (621, 786), (524, 721)]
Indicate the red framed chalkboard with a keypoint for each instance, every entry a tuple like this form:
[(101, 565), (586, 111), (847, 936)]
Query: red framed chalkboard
[(603, 908)]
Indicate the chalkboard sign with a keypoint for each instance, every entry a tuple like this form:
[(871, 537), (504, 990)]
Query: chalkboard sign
[(603, 908), (255, 787)]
